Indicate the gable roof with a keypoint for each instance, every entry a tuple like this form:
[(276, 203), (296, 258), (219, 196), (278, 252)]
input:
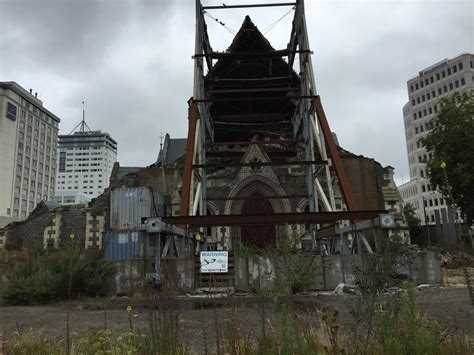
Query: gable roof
[(172, 150), (249, 39)]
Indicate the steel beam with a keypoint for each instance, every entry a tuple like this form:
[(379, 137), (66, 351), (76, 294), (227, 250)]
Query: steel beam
[(346, 188), (253, 90), (228, 7), (238, 198), (270, 219), (188, 159), (258, 164), (256, 98), (251, 117), (269, 142), (232, 55)]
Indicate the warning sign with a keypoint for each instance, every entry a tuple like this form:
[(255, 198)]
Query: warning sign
[(214, 261)]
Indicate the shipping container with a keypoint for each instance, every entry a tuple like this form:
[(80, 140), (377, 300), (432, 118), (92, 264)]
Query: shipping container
[(128, 206), (122, 245)]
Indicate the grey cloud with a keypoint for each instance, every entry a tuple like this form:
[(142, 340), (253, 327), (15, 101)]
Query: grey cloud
[(131, 62)]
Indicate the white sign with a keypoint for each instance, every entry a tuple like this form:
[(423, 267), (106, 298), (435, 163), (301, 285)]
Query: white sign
[(214, 261)]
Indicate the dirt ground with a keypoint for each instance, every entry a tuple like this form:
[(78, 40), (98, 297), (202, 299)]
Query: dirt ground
[(449, 305)]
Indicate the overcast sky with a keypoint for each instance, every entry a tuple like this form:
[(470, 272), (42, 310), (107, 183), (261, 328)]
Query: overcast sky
[(130, 61)]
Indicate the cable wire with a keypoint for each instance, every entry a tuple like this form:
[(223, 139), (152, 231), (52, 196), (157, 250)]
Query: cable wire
[(271, 26)]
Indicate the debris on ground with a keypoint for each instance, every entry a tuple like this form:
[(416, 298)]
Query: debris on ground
[(343, 288)]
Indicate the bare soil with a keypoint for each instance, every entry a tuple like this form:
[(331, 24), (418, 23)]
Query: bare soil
[(449, 305)]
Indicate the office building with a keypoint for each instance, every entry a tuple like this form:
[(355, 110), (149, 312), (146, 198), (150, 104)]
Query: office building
[(425, 92), (28, 149), (86, 159)]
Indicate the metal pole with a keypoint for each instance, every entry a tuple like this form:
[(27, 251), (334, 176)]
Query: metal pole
[(426, 221)]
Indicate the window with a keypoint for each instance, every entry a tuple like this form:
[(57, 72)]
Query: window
[(421, 84), (422, 174), (433, 93), (443, 74), (412, 102), (460, 66), (455, 69), (445, 88), (450, 86), (418, 100), (437, 76), (431, 80), (456, 84), (428, 96), (423, 188), (463, 82), (439, 91), (416, 130), (430, 110), (411, 88), (423, 98), (416, 86), (449, 71)]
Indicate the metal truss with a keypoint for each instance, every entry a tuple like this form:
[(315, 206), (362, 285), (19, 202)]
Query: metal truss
[(309, 124)]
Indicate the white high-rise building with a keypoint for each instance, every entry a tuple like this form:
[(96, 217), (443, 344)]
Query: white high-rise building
[(28, 148), (86, 159), (425, 92)]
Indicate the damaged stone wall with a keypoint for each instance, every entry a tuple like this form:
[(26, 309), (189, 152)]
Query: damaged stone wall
[(57, 227)]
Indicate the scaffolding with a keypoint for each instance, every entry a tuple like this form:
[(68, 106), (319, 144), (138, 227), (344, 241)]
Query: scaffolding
[(308, 127)]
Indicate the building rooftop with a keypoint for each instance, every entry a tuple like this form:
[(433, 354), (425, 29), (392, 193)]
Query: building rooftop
[(32, 99)]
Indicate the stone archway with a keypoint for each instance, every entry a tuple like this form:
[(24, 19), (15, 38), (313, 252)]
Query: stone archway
[(256, 184), (257, 236)]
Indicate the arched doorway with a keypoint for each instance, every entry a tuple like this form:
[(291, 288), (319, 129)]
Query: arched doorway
[(261, 236)]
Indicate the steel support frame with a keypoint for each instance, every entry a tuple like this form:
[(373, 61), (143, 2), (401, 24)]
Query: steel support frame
[(270, 219), (305, 119), (193, 193), (312, 120)]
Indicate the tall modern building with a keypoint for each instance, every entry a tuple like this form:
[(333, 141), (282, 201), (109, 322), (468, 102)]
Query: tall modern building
[(28, 148), (86, 159), (425, 92)]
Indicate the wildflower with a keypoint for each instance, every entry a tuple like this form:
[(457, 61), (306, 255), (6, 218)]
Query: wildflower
[(443, 165), (129, 309)]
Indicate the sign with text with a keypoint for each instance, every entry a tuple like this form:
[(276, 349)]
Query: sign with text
[(214, 261), (11, 111)]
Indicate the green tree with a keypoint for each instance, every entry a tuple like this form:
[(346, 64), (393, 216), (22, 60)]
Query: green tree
[(451, 144), (413, 223)]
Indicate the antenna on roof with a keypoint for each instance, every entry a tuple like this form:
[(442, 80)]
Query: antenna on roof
[(161, 140), (83, 127)]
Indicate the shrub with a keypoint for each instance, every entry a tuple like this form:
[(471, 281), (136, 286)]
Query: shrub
[(295, 270), (57, 276)]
